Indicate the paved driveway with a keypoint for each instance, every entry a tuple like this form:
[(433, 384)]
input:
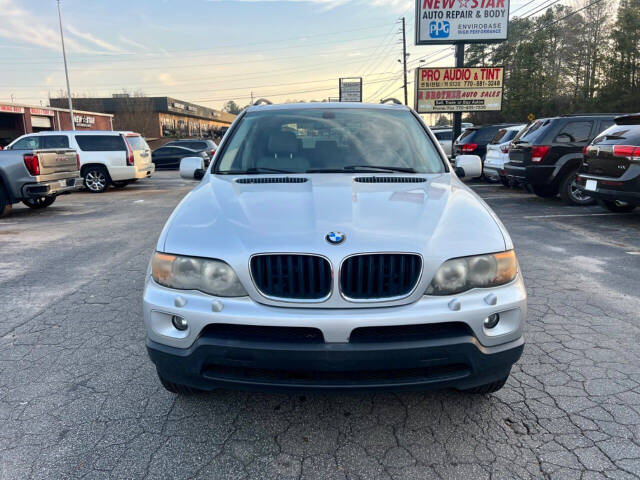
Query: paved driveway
[(79, 397)]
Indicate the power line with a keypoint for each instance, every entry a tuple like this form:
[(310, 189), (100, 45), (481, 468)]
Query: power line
[(164, 67), (228, 45), (541, 8), (565, 17), (292, 92), (235, 76)]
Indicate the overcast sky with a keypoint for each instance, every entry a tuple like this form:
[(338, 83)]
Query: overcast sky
[(207, 51)]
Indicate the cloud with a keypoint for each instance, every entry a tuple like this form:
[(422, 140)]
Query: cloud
[(132, 43), (90, 38), (22, 26), (329, 4), (166, 79)]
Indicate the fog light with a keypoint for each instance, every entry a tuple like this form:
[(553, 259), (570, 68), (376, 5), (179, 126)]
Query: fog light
[(179, 322), (492, 320)]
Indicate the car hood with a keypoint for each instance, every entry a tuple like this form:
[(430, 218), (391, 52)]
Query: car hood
[(439, 219)]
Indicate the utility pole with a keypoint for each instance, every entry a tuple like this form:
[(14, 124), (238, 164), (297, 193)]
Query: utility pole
[(404, 60), (251, 98), (457, 116), (66, 70)]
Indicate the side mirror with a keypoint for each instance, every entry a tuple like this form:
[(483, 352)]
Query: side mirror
[(189, 166), (468, 167)]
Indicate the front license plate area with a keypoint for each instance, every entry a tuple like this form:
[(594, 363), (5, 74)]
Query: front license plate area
[(591, 185)]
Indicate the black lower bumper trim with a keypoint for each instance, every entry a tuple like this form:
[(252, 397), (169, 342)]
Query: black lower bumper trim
[(458, 362)]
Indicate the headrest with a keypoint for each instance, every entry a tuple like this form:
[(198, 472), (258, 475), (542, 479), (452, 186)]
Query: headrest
[(326, 145), (283, 142)]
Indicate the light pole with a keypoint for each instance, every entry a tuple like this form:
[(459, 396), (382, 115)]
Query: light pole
[(66, 70)]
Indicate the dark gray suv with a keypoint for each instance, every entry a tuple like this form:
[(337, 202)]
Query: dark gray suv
[(547, 154)]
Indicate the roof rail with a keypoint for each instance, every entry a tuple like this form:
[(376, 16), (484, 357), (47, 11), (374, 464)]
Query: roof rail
[(392, 100), (263, 101), (628, 119), (597, 114)]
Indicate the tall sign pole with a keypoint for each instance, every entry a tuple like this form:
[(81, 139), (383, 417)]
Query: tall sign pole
[(457, 116), (458, 90), (66, 70), (404, 60)]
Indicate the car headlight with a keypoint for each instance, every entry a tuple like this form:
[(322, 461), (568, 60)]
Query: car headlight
[(480, 271), (189, 273)]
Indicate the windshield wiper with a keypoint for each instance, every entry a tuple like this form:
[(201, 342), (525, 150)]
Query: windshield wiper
[(381, 168)]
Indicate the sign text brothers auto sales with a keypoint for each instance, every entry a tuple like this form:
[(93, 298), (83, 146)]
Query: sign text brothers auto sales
[(446, 90), (449, 21)]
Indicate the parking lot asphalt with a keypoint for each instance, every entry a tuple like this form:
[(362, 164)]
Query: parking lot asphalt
[(80, 398)]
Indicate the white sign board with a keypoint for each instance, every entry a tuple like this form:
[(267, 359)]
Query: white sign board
[(452, 90), (468, 21), (350, 89)]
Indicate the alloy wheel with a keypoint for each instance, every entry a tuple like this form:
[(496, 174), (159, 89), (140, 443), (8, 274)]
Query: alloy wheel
[(95, 180), (579, 195)]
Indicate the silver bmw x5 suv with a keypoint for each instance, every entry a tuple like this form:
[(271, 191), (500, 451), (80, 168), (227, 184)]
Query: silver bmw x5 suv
[(332, 246)]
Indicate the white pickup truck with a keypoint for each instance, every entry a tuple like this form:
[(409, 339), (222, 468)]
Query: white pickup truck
[(37, 177)]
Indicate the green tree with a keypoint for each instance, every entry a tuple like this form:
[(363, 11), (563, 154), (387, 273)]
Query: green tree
[(621, 89), (232, 107)]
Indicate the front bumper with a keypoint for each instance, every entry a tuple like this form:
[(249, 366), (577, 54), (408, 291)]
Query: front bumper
[(456, 361), (52, 187), (427, 344)]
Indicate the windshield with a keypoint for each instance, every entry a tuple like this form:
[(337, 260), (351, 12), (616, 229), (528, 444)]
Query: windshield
[(329, 140)]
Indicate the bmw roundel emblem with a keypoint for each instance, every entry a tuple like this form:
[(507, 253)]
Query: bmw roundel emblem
[(335, 238)]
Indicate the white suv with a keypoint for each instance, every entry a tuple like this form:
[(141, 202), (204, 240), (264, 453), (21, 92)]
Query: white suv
[(331, 246), (106, 157)]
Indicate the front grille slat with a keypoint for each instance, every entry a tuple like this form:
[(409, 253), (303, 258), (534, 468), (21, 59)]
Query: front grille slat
[(379, 275), (292, 276)]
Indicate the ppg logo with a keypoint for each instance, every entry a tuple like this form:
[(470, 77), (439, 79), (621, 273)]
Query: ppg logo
[(439, 29)]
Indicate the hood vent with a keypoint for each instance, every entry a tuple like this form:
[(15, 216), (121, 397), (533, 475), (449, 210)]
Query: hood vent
[(272, 180), (390, 179)]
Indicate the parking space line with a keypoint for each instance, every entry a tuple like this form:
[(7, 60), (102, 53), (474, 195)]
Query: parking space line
[(501, 196), (577, 215)]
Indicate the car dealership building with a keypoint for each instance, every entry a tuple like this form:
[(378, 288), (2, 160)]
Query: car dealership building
[(157, 117), (16, 120)]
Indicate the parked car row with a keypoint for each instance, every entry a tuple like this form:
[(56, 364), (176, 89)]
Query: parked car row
[(585, 158), (37, 167), (169, 155)]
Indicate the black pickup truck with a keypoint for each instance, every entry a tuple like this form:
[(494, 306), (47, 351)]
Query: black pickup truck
[(547, 154)]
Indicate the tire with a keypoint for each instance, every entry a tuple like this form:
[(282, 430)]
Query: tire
[(96, 178), (178, 388), (488, 179), (5, 205), (487, 388), (616, 206), (121, 183), (571, 194), (38, 203), (545, 191)]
